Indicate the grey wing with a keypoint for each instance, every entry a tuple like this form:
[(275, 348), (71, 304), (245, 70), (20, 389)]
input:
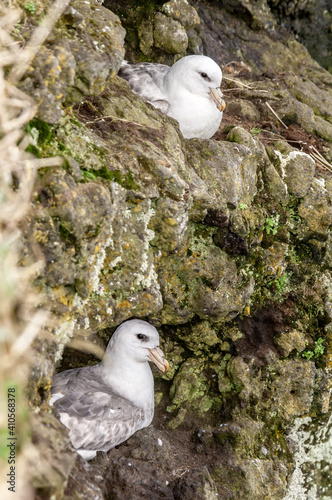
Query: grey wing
[(97, 420), (147, 80), (76, 380)]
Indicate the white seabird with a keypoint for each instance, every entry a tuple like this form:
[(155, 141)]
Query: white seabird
[(188, 91), (104, 404)]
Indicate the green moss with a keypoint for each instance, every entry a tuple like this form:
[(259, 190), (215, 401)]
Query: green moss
[(62, 147), (75, 122), (30, 7), (45, 143), (87, 175), (95, 149), (130, 183), (202, 237), (126, 181), (281, 285), (34, 150), (111, 175), (272, 224), (117, 295), (45, 132), (131, 20), (242, 206), (317, 352)]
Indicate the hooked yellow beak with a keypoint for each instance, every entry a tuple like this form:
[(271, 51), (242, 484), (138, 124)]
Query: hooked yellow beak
[(157, 357), (217, 98)]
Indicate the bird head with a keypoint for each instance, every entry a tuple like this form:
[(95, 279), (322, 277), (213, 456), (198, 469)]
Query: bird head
[(199, 75), (139, 341)]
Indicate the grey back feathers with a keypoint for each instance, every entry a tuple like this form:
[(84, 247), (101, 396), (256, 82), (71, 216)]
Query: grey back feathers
[(146, 80)]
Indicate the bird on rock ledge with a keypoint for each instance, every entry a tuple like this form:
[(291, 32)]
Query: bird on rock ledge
[(188, 91), (104, 404)]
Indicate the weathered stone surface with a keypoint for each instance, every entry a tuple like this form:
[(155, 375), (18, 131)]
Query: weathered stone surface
[(242, 374), (274, 184), (241, 136), (295, 7), (291, 340), (96, 245), (258, 13), (47, 81), (311, 27), (294, 111), (181, 11), (243, 109), (227, 301), (104, 36), (243, 478), (316, 212), (291, 385), (274, 257), (206, 279), (292, 390), (298, 172), (228, 170), (145, 35), (309, 93), (85, 482), (247, 224), (172, 224), (55, 456), (199, 337), (69, 67), (169, 35), (190, 385)]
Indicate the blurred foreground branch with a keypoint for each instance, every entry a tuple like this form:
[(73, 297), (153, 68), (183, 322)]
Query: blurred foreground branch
[(21, 320)]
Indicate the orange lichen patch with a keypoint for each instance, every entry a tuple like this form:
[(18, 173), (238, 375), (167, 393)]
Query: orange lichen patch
[(329, 362), (40, 236), (171, 222), (147, 297), (62, 295), (138, 208), (246, 311), (124, 304)]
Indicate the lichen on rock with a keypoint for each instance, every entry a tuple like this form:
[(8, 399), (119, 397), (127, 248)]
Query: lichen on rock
[(83, 55)]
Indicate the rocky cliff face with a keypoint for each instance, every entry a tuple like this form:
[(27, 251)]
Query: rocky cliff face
[(223, 244)]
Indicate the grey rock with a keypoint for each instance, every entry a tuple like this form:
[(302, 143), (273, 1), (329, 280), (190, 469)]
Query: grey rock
[(169, 35), (243, 109), (181, 11), (316, 212), (299, 170), (68, 68)]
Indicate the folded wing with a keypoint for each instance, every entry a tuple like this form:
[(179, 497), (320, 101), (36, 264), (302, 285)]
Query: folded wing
[(146, 79), (98, 420)]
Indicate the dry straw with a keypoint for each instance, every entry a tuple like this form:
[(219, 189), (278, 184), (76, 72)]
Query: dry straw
[(20, 320)]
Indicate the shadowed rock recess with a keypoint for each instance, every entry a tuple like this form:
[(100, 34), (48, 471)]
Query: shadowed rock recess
[(223, 244)]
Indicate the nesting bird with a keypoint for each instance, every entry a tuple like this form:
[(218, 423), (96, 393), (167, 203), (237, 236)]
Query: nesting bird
[(103, 405), (188, 91)]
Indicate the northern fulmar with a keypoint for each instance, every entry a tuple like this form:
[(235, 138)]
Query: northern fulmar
[(188, 91), (104, 404)]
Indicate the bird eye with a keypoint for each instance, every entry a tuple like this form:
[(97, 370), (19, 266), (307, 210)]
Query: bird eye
[(141, 336), (204, 75)]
